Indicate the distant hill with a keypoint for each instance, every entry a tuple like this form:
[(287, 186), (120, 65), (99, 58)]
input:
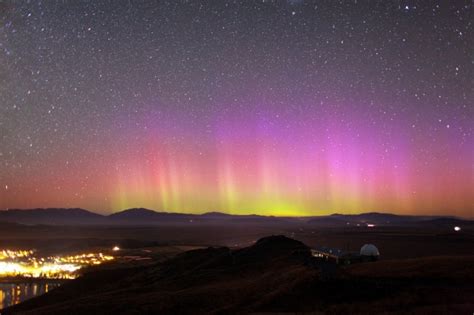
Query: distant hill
[(382, 219), (54, 216), (142, 216), (145, 216), (134, 213), (275, 275), (215, 214)]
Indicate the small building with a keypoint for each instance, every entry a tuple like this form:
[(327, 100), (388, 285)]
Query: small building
[(335, 255), (368, 252)]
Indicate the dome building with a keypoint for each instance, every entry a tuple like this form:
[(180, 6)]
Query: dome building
[(369, 252)]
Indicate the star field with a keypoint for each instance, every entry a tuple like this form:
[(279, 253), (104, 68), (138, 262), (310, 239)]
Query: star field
[(268, 107)]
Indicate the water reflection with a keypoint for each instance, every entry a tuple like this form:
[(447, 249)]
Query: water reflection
[(14, 293)]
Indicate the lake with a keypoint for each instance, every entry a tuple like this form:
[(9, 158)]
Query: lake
[(12, 293)]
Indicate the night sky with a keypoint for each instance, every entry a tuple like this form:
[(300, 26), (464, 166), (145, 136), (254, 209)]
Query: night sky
[(268, 107)]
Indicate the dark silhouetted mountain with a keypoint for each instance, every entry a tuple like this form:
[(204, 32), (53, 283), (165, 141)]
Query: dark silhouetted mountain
[(275, 275), (376, 218), (134, 213), (142, 216), (146, 216), (53, 216), (216, 214)]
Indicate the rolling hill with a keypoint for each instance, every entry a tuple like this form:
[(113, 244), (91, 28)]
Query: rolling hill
[(51, 216), (142, 216), (276, 274)]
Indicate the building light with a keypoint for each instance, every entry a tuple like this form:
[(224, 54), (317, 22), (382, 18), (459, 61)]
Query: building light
[(21, 263)]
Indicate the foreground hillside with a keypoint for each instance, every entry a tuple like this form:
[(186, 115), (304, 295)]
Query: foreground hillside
[(276, 274)]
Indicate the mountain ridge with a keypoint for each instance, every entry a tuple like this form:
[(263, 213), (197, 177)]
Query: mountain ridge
[(144, 216)]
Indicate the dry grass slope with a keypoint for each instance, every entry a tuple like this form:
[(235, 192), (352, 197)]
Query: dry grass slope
[(276, 274)]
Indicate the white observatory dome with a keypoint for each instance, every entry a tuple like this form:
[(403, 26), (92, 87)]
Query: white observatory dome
[(369, 250)]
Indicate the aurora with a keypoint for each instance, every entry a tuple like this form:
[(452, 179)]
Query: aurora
[(266, 108)]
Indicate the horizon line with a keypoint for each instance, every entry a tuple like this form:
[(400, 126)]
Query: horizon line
[(248, 214)]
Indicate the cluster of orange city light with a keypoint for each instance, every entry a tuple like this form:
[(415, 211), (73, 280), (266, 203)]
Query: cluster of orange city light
[(24, 263)]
